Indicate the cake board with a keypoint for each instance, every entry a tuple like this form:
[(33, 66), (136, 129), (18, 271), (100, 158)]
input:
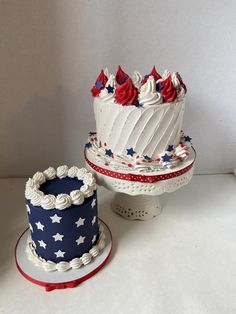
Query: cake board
[(137, 194), (60, 280)]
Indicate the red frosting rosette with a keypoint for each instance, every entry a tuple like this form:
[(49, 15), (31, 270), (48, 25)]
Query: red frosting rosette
[(168, 90), (127, 93), (153, 73), (181, 82), (121, 76), (99, 84)]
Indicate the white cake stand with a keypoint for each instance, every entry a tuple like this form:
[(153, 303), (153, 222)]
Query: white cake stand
[(137, 194)]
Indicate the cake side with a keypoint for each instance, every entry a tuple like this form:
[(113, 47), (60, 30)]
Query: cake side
[(62, 213)]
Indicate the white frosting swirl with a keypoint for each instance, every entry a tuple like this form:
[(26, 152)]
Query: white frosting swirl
[(77, 197), (107, 72), (165, 74), (39, 177), (89, 179), (36, 197), (148, 95), (86, 190), (72, 172), (104, 94), (137, 79), (48, 201), (81, 173), (62, 171), (63, 201), (50, 173)]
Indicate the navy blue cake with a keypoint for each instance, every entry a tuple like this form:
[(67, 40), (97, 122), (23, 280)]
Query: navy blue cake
[(63, 219)]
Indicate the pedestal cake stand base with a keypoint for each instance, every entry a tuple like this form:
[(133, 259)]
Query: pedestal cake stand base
[(60, 280), (137, 192)]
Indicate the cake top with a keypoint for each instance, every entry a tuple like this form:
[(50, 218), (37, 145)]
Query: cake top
[(60, 188), (138, 90)]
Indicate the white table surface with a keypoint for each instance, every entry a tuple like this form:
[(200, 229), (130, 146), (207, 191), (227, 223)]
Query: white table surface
[(183, 261)]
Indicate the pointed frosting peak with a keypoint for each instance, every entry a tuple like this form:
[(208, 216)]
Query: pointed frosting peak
[(121, 76), (99, 84), (107, 72), (154, 73), (126, 94), (137, 79), (181, 82), (148, 95), (168, 90)]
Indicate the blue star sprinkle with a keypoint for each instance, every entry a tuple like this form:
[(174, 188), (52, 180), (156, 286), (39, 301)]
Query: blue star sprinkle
[(88, 145), (137, 104), (146, 157), (130, 151), (92, 133), (187, 138), (166, 157), (124, 79), (110, 89), (170, 148), (108, 152), (99, 84), (159, 87)]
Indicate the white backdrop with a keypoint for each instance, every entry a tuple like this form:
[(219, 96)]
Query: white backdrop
[(52, 50)]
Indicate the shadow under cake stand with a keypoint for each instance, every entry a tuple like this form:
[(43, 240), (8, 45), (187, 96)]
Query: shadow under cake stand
[(137, 193)]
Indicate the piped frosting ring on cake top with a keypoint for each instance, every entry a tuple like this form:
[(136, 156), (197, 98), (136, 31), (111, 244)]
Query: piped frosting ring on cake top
[(61, 201)]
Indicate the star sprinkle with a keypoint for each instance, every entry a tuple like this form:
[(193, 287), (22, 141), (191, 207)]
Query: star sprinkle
[(80, 222), (93, 203), (94, 238), (55, 219), (146, 157), (39, 225), (92, 133), (94, 220), (80, 240), (88, 145), (59, 253), (130, 151), (108, 152), (159, 87), (187, 138), (170, 148), (99, 84), (166, 157), (137, 104), (42, 244), (58, 237), (110, 89), (28, 208), (124, 79)]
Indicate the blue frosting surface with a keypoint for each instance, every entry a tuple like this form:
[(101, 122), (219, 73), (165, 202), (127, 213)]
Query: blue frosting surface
[(67, 227)]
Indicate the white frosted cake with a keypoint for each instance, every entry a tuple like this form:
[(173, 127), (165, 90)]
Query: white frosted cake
[(139, 120)]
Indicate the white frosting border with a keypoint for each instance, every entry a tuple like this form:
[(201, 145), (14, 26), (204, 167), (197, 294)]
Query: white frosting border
[(75, 263), (61, 201)]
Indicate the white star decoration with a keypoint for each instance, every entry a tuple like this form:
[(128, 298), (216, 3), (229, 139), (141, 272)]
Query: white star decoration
[(31, 228), (58, 237), (28, 208), (93, 203), (80, 222), (56, 219), (59, 253), (42, 244), (94, 220), (94, 238), (80, 240), (39, 225)]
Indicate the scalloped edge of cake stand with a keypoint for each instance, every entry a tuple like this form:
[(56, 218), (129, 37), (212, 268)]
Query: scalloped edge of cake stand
[(60, 280)]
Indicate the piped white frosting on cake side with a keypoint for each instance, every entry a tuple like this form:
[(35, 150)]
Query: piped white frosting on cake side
[(147, 130)]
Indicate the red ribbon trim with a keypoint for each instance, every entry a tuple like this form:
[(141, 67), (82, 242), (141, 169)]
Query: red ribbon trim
[(138, 177)]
